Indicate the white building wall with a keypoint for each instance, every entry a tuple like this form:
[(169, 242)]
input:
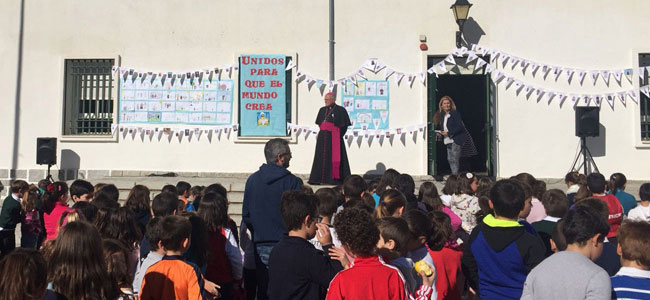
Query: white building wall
[(186, 35)]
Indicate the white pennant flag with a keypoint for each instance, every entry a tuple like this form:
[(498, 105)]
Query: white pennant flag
[(518, 84), (299, 74), (610, 100), (360, 74), (399, 77), (479, 63), (330, 86), (605, 75), (471, 57), (574, 99), (528, 89), (431, 70), (621, 95), (441, 65), (370, 64), (641, 72), (456, 52), (560, 97), (483, 51), (508, 80), (411, 78), (497, 75), (422, 77), (489, 68), (618, 74), (533, 68), (523, 64), (568, 72), (514, 61), (353, 79), (581, 75), (388, 73), (586, 99), (290, 65), (113, 128), (557, 72), (598, 99), (450, 59)]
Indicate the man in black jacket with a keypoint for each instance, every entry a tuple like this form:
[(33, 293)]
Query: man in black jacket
[(261, 207), (297, 270)]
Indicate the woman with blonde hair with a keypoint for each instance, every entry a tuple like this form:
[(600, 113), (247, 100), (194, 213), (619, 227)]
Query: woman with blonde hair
[(457, 139)]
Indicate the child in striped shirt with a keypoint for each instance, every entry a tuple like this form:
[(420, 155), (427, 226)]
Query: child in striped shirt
[(633, 279)]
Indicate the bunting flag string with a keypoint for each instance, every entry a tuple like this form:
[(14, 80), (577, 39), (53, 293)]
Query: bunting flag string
[(223, 131), (523, 64)]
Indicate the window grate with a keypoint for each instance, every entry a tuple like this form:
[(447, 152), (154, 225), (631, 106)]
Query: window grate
[(88, 97), (644, 102)]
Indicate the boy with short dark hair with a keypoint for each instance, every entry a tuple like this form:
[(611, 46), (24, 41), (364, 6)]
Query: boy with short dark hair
[(633, 279), (500, 252), (173, 277), (164, 204), (642, 211), (183, 190), (394, 237), (327, 203), (152, 234), (597, 183), (369, 277), (10, 216), (354, 186), (572, 274), (81, 190), (556, 205), (297, 270)]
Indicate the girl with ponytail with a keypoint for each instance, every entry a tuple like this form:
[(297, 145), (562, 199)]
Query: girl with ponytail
[(391, 204), (617, 187), (55, 203)]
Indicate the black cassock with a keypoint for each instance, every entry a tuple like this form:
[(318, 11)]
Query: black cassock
[(321, 170)]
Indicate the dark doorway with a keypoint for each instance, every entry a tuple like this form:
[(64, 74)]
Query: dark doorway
[(470, 90)]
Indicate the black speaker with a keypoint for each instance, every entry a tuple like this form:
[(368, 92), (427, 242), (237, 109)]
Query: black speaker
[(587, 121), (46, 151)]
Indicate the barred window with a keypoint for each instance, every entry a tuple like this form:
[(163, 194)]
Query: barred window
[(88, 103), (644, 102)]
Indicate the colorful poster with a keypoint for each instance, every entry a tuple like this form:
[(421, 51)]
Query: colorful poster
[(366, 103), (194, 101), (262, 95)]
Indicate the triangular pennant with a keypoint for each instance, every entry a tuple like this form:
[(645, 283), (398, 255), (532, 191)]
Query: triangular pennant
[(411, 78), (376, 123), (441, 65), (557, 71), (610, 100), (523, 64), (528, 89), (422, 77), (290, 65), (568, 72), (581, 75), (370, 64), (113, 128), (479, 63), (573, 98), (360, 74), (400, 76), (514, 61), (450, 59), (605, 75), (594, 76), (618, 74), (299, 75), (471, 57), (598, 100), (621, 95), (641, 72), (533, 68), (389, 72), (489, 68), (432, 70), (353, 79)]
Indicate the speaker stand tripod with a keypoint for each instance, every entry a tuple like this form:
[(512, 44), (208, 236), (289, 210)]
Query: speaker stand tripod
[(587, 158), (49, 174)]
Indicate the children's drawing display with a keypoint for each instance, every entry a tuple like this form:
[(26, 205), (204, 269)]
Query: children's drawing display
[(366, 103), (197, 102)]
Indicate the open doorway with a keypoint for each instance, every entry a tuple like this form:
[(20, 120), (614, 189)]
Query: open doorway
[(471, 91)]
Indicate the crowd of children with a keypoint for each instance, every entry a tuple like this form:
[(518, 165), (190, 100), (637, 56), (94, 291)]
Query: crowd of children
[(375, 239)]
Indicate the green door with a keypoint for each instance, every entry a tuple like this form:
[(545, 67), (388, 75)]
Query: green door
[(471, 93)]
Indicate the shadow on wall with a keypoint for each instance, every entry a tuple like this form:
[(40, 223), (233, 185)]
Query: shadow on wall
[(597, 144), (70, 163), (379, 170), (472, 32)]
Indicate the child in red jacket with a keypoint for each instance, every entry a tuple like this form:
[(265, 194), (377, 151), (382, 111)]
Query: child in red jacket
[(369, 277), (446, 256)]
